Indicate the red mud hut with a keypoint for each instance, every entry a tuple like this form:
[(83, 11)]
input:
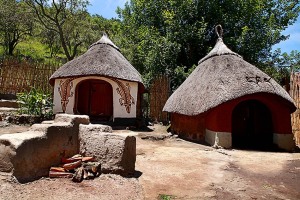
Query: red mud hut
[(228, 102), (100, 83)]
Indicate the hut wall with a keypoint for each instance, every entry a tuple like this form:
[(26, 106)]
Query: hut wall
[(189, 127), (218, 121), (220, 118), (124, 105)]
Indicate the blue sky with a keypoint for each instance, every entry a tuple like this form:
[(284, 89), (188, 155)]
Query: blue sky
[(107, 8), (293, 42)]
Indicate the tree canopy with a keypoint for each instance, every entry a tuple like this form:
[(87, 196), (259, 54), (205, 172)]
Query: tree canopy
[(67, 18), (16, 22), (157, 36), (171, 36)]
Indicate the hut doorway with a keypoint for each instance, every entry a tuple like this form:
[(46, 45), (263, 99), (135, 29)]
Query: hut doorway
[(252, 126), (95, 98)]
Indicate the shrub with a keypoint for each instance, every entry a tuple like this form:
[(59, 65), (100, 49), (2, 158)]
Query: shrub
[(36, 103)]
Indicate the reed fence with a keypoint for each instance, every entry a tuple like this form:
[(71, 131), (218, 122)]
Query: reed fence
[(20, 75), (159, 94), (295, 94)]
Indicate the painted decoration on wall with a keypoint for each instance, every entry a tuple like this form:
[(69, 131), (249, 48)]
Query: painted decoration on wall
[(64, 90), (124, 91), (257, 79)]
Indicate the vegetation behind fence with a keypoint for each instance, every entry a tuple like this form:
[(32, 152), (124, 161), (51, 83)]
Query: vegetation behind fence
[(295, 94), (17, 75)]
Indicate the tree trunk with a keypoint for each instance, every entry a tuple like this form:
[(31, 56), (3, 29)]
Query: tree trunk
[(63, 43)]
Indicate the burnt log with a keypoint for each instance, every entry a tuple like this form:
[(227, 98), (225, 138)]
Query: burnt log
[(92, 167), (78, 175)]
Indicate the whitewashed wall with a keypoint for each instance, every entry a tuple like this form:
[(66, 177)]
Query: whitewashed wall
[(118, 110)]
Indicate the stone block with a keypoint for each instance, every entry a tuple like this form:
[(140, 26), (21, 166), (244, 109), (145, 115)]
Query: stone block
[(284, 141), (116, 153), (218, 139), (29, 155), (75, 119), (9, 103)]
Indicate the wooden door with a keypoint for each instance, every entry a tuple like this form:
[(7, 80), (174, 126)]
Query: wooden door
[(252, 125), (101, 99), (95, 98)]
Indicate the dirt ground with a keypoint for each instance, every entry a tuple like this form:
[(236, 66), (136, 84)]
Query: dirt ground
[(171, 168)]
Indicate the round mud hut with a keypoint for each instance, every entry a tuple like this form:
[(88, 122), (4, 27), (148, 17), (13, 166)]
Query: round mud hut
[(228, 102), (100, 83)]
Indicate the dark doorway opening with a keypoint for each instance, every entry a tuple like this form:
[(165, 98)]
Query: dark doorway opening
[(252, 126), (95, 98)]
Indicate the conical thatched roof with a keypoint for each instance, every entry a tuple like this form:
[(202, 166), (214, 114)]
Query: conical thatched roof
[(221, 76), (103, 58)]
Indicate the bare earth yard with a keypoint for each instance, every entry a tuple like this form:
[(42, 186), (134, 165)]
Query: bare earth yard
[(176, 169)]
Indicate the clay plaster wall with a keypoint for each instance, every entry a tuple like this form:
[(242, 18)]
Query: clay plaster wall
[(219, 120), (65, 95)]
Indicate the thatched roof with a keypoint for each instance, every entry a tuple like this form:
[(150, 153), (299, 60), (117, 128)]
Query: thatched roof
[(103, 58), (221, 76)]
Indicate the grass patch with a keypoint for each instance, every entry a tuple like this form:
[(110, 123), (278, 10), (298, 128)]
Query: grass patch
[(166, 197)]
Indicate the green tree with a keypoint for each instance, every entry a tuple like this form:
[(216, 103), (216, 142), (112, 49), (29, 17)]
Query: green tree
[(51, 39), (281, 65), (100, 25), (171, 36), (162, 36), (16, 22), (67, 18), (251, 27)]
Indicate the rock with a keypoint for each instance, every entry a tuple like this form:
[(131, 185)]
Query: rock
[(4, 124), (97, 128), (9, 119), (116, 153), (23, 119), (9, 103), (153, 136)]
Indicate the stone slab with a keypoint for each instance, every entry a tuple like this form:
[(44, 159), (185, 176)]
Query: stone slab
[(116, 153)]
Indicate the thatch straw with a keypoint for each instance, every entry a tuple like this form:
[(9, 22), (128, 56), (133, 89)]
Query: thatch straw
[(102, 59), (221, 76)]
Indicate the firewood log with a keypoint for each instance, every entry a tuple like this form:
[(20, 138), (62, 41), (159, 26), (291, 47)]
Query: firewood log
[(88, 159), (70, 160), (57, 169), (73, 165), (77, 156), (53, 174)]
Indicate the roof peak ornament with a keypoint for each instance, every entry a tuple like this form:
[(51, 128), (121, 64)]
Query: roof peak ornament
[(219, 31), (220, 48), (104, 34), (105, 40)]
